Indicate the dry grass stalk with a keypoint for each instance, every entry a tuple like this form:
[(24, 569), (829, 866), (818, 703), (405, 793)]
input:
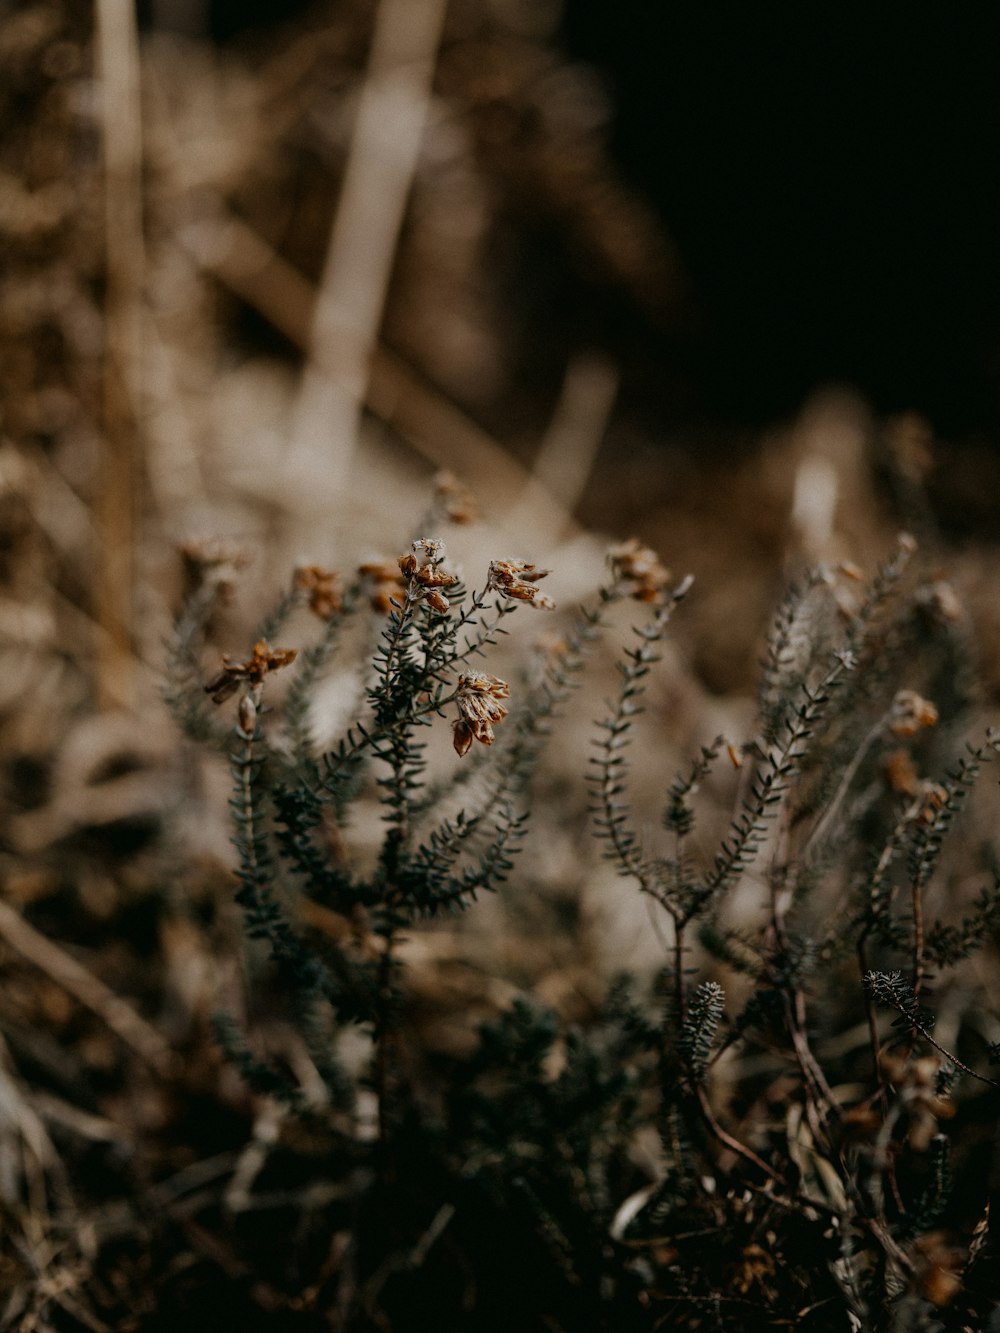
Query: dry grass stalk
[(386, 142), (439, 430), (565, 460), (119, 80), (73, 977)]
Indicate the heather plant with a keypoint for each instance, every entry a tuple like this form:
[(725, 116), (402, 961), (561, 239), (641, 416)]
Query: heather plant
[(772, 1131)]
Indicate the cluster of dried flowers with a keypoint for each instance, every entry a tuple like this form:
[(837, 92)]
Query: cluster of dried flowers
[(478, 697), (418, 577), (638, 570), (517, 579), (326, 595), (249, 676)]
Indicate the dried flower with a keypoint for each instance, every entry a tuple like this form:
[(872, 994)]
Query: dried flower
[(326, 596), (639, 570), (457, 501), (911, 712), (901, 773), (933, 797), (517, 579), (252, 672), (478, 697), (388, 586), (423, 576), (417, 576)]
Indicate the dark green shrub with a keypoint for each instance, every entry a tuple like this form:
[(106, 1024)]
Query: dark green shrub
[(771, 1133)]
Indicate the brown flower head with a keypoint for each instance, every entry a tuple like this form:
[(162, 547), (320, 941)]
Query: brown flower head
[(638, 570), (456, 500), (385, 583), (326, 596), (423, 577), (910, 712), (901, 773), (251, 673), (417, 576), (479, 703), (517, 579), (933, 797)]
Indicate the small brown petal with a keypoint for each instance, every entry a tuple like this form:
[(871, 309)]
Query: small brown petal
[(438, 601), (463, 737), (934, 798), (429, 576), (224, 685), (428, 549), (901, 773), (516, 579), (265, 659)]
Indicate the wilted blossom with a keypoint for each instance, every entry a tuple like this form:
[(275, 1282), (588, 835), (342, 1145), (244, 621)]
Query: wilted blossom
[(423, 577), (417, 576), (517, 579), (252, 672), (479, 703), (326, 596), (910, 713), (638, 569)]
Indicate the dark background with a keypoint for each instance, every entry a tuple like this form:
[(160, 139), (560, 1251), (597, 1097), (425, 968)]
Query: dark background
[(829, 175)]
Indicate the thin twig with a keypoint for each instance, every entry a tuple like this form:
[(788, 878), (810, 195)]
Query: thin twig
[(117, 41), (74, 978), (382, 161)]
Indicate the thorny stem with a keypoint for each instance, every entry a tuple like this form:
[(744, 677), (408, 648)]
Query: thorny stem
[(398, 625), (487, 626), (770, 786), (610, 782)]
